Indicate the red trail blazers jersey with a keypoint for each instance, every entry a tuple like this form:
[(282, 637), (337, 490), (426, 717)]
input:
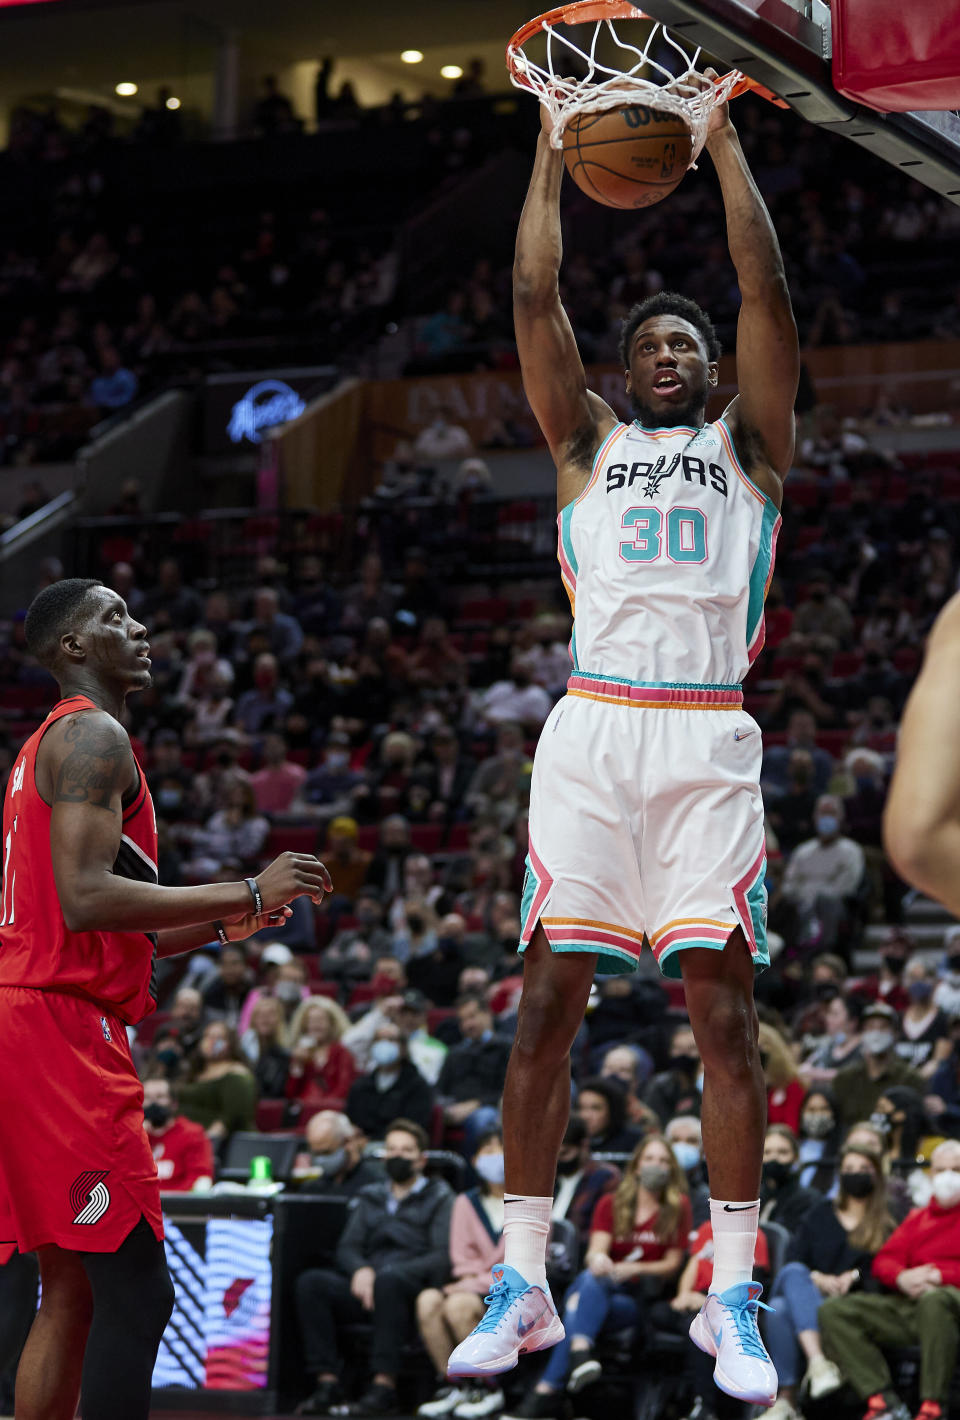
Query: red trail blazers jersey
[(37, 949)]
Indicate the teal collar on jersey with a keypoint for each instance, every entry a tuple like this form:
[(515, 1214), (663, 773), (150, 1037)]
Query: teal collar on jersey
[(669, 428)]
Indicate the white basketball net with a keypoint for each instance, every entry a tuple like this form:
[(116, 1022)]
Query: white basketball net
[(644, 80)]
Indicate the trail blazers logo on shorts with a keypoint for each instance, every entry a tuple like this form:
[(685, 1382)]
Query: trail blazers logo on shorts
[(89, 1196)]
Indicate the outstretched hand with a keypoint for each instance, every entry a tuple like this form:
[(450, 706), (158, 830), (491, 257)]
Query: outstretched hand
[(720, 117), (244, 927)]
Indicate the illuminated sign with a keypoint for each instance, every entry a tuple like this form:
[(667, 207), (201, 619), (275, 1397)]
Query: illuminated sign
[(218, 1337), (263, 406)]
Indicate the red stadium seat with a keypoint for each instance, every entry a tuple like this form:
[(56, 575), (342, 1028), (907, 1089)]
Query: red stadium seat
[(292, 838), (436, 1014), (459, 839), (426, 837), (149, 1029), (833, 741), (846, 664), (362, 994), (368, 837), (437, 1127), (270, 1115)]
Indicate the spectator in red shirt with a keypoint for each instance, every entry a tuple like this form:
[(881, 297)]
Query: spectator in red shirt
[(637, 1244), (784, 1091), (277, 783), (321, 1068), (181, 1149), (919, 1270)]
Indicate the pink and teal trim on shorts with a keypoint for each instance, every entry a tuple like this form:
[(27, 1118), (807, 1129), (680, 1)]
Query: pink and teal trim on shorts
[(618, 948), (750, 900)]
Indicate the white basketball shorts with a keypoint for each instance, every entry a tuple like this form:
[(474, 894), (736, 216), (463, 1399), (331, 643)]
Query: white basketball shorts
[(646, 821)]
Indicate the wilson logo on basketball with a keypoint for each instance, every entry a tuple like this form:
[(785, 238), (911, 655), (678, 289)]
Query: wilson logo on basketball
[(89, 1196)]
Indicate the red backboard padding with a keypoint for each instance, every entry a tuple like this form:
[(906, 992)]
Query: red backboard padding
[(897, 57)]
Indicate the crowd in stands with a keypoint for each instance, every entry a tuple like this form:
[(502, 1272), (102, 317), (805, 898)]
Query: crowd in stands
[(347, 717), (106, 298)]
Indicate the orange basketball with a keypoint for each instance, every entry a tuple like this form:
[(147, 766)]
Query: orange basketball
[(627, 157)]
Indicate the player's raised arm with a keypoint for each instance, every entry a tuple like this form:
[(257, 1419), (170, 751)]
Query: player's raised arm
[(768, 354), (921, 821), (574, 421), (90, 766)]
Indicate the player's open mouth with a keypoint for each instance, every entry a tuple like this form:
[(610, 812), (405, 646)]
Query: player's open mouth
[(143, 654), (667, 384)]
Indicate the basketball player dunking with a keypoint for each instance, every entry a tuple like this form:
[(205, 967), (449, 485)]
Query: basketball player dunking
[(83, 921), (646, 821)]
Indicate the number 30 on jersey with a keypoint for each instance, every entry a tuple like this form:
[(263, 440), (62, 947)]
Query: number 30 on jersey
[(686, 535)]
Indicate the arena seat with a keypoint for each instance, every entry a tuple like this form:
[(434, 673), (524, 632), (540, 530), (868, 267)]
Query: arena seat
[(426, 837), (270, 1115), (150, 1028), (248, 1144), (291, 838)]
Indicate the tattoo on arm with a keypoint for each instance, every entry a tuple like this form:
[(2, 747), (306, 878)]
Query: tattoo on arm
[(96, 765)]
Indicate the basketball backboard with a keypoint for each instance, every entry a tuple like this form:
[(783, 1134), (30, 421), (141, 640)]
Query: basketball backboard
[(786, 46)]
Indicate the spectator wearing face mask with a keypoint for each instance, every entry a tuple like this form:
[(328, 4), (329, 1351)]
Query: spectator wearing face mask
[(392, 1080), (638, 1239), (447, 1315), (822, 875), (918, 1269), (631, 1067), (925, 1026), (684, 1134), (820, 1136), (350, 956), (394, 1245), (333, 1162), (783, 1199), (181, 1150), (947, 994), (676, 1090), (581, 1179), (283, 977), (901, 1116), (887, 984), (328, 789), (858, 1087), (830, 1255), (840, 1046)]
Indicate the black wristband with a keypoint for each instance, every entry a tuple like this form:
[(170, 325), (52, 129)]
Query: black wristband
[(221, 932), (256, 895)]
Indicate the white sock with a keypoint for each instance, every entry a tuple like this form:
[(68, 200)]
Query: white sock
[(734, 1240), (526, 1227)]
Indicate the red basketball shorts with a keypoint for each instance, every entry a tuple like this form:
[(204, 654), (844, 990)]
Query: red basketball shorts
[(75, 1166)]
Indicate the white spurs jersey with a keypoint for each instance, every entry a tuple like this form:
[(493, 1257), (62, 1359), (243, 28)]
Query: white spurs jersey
[(666, 556)]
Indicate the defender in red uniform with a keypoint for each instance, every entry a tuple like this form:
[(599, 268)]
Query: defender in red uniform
[(82, 923)]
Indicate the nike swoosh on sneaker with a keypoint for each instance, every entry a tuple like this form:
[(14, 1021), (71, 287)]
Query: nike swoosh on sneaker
[(522, 1330)]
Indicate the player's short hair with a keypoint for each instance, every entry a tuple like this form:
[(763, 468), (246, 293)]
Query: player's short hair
[(668, 303), (53, 612)]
